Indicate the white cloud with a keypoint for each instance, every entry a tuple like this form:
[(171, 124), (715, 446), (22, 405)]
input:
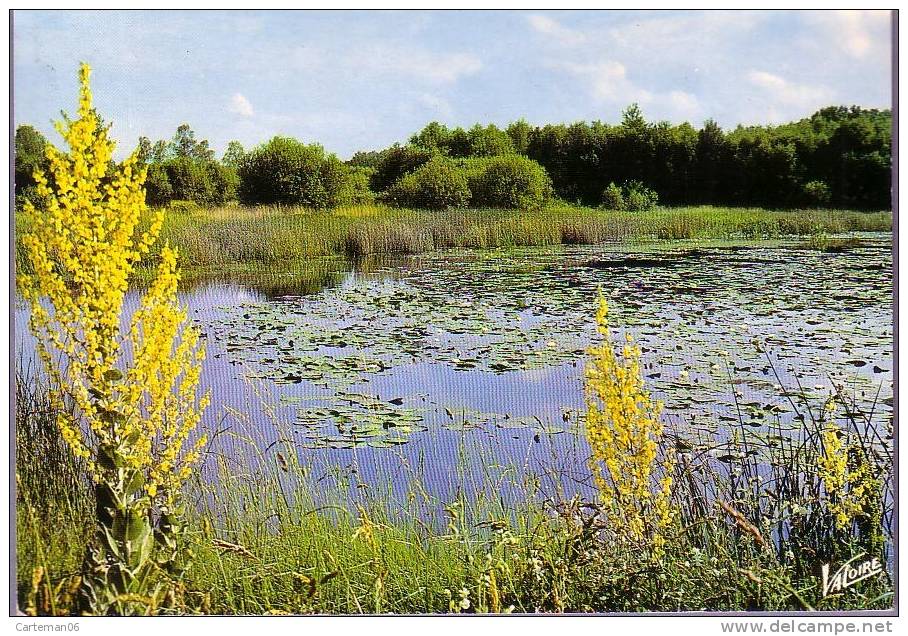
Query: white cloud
[(608, 81), (778, 91), (369, 58), (434, 103), (768, 81), (557, 31), (861, 34), (239, 105), (685, 106), (671, 33)]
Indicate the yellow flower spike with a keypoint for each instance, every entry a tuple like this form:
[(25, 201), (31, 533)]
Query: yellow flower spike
[(624, 432), (82, 251), (850, 488)]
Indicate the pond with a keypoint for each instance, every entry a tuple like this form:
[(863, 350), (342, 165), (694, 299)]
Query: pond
[(464, 369)]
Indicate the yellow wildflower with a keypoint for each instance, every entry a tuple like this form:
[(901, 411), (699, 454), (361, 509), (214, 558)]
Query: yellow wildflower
[(624, 431), (850, 486), (82, 250)]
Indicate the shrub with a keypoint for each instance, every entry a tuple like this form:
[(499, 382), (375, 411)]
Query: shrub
[(817, 194), (30, 157), (637, 201), (158, 190), (287, 171), (183, 207), (223, 180), (508, 181), (355, 190), (189, 180), (633, 196), (638, 197), (613, 198), (394, 163), (438, 184), (186, 179)]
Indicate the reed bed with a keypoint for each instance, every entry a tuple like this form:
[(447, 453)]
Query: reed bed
[(211, 239)]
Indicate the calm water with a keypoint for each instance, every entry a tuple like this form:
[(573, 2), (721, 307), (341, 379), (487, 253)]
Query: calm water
[(465, 369)]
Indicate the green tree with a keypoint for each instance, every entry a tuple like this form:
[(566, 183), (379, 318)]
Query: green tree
[(30, 146), (144, 151), (159, 152), (158, 190), (234, 154), (632, 119), (520, 132), (188, 180), (224, 180), (367, 159), (395, 162), (488, 141), (434, 137), (287, 171), (711, 161), (184, 144), (846, 148)]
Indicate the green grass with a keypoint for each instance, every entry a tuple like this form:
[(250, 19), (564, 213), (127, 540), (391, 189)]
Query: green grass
[(54, 508), (234, 238), (823, 243)]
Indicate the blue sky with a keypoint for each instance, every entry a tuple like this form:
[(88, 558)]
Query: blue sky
[(363, 80)]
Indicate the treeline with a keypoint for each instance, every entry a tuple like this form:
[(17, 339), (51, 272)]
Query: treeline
[(838, 157)]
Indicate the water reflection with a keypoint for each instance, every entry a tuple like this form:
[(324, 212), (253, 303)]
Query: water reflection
[(465, 369)]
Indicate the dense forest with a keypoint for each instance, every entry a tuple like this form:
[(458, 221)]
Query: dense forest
[(838, 157)]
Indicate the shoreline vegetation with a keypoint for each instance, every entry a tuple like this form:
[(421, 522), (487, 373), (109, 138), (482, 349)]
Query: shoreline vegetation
[(839, 157), (225, 239)]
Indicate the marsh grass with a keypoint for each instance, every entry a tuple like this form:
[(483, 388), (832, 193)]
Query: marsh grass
[(281, 235), (823, 243), (228, 237), (54, 502)]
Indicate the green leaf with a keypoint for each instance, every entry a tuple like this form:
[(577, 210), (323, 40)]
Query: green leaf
[(136, 483), (138, 525), (106, 499)]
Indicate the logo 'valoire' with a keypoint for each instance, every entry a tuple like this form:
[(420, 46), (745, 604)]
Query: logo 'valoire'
[(849, 574)]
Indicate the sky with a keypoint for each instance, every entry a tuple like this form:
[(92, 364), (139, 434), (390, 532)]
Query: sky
[(361, 80)]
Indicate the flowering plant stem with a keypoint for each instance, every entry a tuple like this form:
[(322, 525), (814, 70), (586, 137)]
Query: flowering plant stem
[(133, 396)]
